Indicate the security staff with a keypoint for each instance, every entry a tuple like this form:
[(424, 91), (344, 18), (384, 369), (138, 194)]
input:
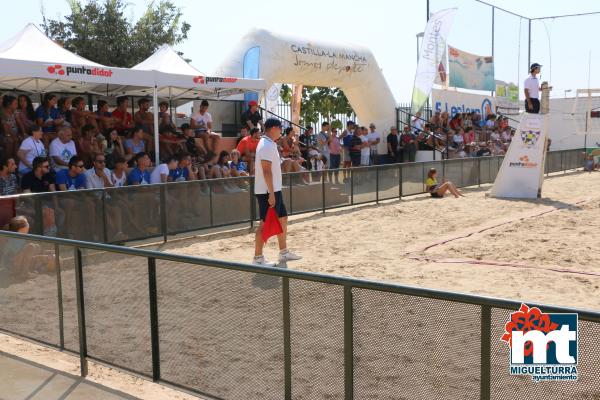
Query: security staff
[(532, 90)]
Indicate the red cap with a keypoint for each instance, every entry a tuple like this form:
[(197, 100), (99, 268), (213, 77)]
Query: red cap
[(252, 103)]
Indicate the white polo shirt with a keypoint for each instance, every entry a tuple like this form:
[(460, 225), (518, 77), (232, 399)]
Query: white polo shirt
[(533, 86), (267, 150)]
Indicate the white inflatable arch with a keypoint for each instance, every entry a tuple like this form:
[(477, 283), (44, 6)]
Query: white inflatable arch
[(279, 58)]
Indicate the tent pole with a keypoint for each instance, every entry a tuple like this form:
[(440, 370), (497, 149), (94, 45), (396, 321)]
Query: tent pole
[(171, 110), (156, 143)]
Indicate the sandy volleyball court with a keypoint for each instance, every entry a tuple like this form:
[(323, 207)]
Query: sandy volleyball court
[(543, 250)]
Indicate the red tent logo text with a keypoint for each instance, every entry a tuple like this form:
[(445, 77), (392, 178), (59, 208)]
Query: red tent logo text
[(56, 69)]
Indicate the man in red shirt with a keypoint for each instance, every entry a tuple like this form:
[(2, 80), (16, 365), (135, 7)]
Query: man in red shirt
[(123, 119), (247, 148)]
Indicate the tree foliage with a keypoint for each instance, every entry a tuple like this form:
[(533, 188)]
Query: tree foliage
[(100, 31), (318, 100)]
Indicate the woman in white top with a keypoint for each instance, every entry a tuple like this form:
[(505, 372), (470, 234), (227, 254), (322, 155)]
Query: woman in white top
[(365, 151), (31, 148), (118, 176), (458, 139)]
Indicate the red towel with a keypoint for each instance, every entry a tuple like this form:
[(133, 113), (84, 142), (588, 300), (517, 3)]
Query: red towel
[(271, 227)]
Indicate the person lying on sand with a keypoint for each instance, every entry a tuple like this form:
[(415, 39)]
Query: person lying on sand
[(439, 190)]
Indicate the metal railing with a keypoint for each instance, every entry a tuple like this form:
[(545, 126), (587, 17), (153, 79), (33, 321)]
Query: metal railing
[(119, 215), (238, 331)]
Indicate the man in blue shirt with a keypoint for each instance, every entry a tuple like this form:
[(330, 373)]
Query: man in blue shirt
[(184, 170), (73, 177), (140, 174)]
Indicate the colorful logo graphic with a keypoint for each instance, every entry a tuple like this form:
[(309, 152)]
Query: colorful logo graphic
[(530, 137), (199, 79), (523, 163), (56, 69), (203, 80), (542, 345)]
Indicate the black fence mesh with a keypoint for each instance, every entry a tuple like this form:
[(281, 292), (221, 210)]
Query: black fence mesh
[(365, 184), (75, 207), (485, 170), (411, 348), (28, 290), (306, 191), (229, 201), (413, 179), (453, 172), (221, 332), (553, 162), (117, 310), (317, 340), (337, 189), (187, 206), (506, 386), (389, 182), (69, 298)]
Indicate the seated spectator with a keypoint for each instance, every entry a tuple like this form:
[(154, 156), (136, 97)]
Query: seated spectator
[(72, 178), (467, 121), (193, 145), (444, 122), (88, 145), (41, 180), (31, 148), (118, 176), (62, 149), (47, 116), (468, 136), (243, 133), (490, 122), (9, 183), (162, 172), (252, 117), (143, 117), (19, 257), (589, 164), (495, 136), (82, 117), (437, 190), (484, 150), (140, 174), (237, 167), (25, 114), (456, 122), (201, 122), (64, 110), (98, 177), (458, 139), (122, 118), (164, 118), (247, 148), (114, 148), (436, 119), (169, 143), (10, 135), (220, 169), (106, 121), (307, 143), (417, 122), (185, 171), (136, 144)]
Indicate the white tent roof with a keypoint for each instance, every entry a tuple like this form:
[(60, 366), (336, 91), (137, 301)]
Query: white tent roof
[(32, 62), (166, 60)]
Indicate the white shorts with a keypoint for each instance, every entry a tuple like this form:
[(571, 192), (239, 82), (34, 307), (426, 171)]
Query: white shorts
[(365, 160)]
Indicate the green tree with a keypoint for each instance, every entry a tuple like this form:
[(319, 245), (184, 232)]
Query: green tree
[(318, 100), (99, 31)]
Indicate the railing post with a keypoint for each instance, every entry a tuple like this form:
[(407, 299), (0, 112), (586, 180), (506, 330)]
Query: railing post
[(348, 344), (163, 211), (104, 221), (377, 185), (154, 319), (61, 325), (39, 217), (351, 186), (80, 312), (291, 194), (485, 373), (252, 206), (210, 204), (287, 339), (323, 189), (400, 183)]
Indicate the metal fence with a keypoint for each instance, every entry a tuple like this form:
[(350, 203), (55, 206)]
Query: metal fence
[(118, 215), (285, 110), (238, 331)]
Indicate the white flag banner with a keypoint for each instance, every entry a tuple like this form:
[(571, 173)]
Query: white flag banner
[(272, 98), (522, 170), (431, 55)]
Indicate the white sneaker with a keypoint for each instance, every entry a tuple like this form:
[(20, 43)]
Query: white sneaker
[(260, 260), (288, 256)]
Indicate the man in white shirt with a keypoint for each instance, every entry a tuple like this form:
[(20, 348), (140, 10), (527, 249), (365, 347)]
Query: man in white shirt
[(201, 123), (374, 139), (532, 90), (365, 151), (417, 123), (161, 173), (98, 177), (267, 188), (62, 149)]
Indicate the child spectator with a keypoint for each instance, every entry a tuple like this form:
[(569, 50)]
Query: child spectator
[(72, 178), (140, 174), (237, 167), (47, 116), (64, 109), (118, 176)]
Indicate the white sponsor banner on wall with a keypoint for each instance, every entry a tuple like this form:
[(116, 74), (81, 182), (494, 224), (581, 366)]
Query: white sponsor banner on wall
[(457, 102), (521, 173)]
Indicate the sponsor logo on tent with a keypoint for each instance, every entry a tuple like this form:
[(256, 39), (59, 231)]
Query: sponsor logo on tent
[(523, 163), (542, 345), (203, 80), (57, 69)]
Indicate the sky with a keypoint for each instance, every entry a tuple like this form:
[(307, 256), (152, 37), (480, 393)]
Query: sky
[(389, 29)]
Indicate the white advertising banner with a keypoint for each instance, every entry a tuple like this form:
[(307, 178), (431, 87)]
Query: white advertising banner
[(272, 98), (431, 55), (454, 102), (521, 173)]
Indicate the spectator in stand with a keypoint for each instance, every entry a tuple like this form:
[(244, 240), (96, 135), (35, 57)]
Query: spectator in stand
[(502, 123), (335, 150), (202, 124), (356, 146), (220, 169), (98, 177), (169, 143), (423, 142), (25, 114), (456, 122), (436, 119), (495, 136), (346, 139), (490, 122), (143, 117), (140, 174), (31, 148), (9, 183), (185, 170), (136, 144), (305, 143), (118, 176), (106, 122), (444, 123), (72, 178), (88, 145), (393, 150), (252, 117), (458, 139), (439, 190), (192, 144), (64, 110), (484, 150), (20, 258), (417, 123), (409, 140), (468, 136), (62, 149), (10, 136), (162, 173), (467, 120), (39, 179), (243, 133), (82, 117), (247, 148), (323, 138), (46, 116), (114, 148), (374, 139), (237, 167), (122, 118), (164, 118)]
